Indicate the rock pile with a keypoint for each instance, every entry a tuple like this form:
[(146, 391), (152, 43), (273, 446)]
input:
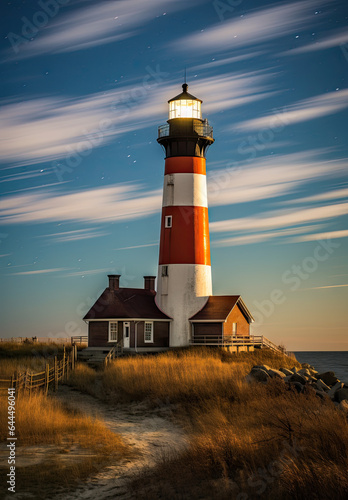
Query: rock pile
[(326, 385)]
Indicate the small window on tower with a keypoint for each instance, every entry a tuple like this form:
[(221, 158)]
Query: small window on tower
[(168, 221), (164, 270)]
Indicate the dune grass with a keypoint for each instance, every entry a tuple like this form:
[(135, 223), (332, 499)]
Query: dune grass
[(20, 357), (186, 374), (245, 439), (85, 443), (84, 378)]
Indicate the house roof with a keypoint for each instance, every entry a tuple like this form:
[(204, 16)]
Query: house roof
[(127, 303), (218, 307)]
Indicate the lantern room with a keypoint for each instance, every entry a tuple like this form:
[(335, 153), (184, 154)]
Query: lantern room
[(185, 105)]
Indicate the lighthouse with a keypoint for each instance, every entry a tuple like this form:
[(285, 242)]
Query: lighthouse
[(183, 311), (184, 281)]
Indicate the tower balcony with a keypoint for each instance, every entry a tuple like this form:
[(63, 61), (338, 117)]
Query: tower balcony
[(192, 128)]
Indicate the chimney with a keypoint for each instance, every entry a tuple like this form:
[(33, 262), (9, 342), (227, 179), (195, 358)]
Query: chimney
[(114, 281), (149, 283)]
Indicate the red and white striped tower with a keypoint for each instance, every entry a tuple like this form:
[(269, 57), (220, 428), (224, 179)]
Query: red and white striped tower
[(184, 272)]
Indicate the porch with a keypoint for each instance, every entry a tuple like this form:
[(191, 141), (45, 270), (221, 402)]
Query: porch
[(235, 343)]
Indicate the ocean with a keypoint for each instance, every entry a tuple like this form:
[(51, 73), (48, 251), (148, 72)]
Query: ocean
[(325, 361)]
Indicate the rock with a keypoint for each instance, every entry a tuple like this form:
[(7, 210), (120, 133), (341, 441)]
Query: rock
[(322, 386), (321, 394), (294, 369), (304, 371), (335, 388), (329, 378), (344, 406), (306, 365), (276, 373), (259, 374), (286, 371), (341, 394), (297, 386), (262, 367), (297, 377)]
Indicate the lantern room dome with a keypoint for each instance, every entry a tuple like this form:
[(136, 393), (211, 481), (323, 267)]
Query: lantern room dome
[(185, 105)]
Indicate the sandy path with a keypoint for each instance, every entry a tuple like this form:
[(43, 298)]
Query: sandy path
[(149, 431)]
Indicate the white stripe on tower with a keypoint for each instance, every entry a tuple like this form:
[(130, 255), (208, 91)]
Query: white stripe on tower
[(185, 190)]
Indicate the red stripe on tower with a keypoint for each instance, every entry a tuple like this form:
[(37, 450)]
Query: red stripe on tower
[(185, 165), (184, 236)]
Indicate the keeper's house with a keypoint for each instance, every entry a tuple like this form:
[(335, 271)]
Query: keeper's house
[(131, 317)]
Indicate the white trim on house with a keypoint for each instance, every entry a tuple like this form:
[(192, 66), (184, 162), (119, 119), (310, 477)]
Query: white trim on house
[(126, 338), (207, 320), (148, 340), (126, 319)]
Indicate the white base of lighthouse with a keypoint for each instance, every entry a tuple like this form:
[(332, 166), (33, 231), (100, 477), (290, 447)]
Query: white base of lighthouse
[(181, 294)]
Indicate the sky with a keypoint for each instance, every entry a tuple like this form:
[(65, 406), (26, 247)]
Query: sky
[(84, 86)]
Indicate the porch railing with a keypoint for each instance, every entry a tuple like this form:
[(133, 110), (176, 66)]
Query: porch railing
[(238, 340)]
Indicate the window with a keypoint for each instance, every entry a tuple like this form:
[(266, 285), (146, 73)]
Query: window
[(148, 332), (234, 328), (112, 331), (164, 270), (185, 108), (168, 221)]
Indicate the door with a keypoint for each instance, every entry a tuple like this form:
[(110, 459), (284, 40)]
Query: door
[(126, 334)]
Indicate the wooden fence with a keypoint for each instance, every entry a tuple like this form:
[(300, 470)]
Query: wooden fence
[(52, 374)]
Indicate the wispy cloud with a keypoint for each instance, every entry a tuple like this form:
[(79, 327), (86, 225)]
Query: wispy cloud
[(258, 26), (269, 177), (76, 235), (41, 271), (260, 237), (307, 109), (98, 24), (119, 202), (282, 219), (332, 235), (322, 287), (336, 194), (138, 246), (333, 40), (53, 128), (89, 272), (215, 63)]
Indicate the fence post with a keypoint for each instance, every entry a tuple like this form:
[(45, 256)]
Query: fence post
[(26, 377), (63, 367), (75, 354), (73, 357), (12, 386), (47, 377), (55, 374)]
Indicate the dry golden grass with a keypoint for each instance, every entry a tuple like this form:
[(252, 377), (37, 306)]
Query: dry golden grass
[(43, 421), (253, 439), (21, 357), (186, 374), (84, 379)]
